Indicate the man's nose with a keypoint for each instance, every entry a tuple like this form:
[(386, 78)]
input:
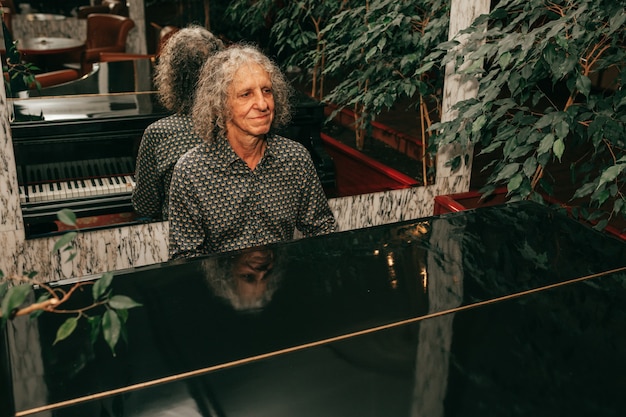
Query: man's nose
[(261, 101)]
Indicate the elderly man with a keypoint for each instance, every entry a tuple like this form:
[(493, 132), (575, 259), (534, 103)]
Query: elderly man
[(243, 186)]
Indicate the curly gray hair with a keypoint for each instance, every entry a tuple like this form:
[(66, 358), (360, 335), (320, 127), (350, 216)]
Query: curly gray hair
[(211, 111), (179, 66)]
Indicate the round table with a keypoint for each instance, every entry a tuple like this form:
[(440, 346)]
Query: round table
[(47, 52), (45, 45)]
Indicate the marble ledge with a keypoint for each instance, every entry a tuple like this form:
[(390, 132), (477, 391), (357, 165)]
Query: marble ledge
[(138, 245), (97, 252)]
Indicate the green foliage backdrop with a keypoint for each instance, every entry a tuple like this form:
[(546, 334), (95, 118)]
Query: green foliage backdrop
[(534, 61)]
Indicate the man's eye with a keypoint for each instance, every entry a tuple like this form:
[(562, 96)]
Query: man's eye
[(249, 278)]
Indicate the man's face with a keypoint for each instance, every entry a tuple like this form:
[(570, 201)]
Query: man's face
[(251, 102), (251, 275)]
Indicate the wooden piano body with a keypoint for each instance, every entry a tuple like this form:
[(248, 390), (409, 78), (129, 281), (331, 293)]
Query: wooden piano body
[(511, 310), (76, 144)]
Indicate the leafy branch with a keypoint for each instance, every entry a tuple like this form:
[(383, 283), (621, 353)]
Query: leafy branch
[(106, 314), (541, 103)]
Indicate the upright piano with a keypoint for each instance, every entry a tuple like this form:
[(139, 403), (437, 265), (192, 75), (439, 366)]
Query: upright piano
[(76, 144), (510, 310)]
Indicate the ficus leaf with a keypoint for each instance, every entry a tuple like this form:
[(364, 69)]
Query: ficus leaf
[(101, 286), (515, 182), (111, 327), (610, 174), (122, 302), (64, 240), (66, 329), (558, 148), (67, 216), (3, 287), (14, 297)]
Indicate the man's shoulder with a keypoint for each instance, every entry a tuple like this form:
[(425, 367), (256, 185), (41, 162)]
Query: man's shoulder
[(169, 124), (283, 145)]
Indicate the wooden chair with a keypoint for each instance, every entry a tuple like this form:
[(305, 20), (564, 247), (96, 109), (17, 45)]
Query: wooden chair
[(106, 33)]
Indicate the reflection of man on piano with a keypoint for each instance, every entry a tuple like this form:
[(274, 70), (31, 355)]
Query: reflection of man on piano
[(247, 281), (167, 139)]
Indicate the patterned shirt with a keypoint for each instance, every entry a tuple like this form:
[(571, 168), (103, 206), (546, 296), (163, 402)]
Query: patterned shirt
[(163, 142), (218, 203)]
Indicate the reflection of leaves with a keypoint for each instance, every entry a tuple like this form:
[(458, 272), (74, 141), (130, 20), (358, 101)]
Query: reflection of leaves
[(539, 260), (94, 328)]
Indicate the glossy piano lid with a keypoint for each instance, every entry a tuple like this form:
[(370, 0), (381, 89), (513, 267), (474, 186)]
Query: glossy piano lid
[(111, 89), (504, 310)]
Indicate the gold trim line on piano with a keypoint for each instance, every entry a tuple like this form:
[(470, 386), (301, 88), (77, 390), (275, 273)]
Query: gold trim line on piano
[(200, 372)]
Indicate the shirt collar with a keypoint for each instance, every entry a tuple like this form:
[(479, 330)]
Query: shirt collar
[(222, 156)]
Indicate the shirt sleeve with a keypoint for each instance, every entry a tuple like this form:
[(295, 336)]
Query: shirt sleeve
[(186, 233), (147, 196), (315, 216)]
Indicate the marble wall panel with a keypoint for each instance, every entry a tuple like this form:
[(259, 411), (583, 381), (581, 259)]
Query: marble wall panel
[(70, 27)]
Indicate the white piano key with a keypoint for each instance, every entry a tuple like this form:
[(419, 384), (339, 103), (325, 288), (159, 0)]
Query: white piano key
[(23, 197), (36, 192), (90, 183), (131, 179), (60, 192), (48, 191)]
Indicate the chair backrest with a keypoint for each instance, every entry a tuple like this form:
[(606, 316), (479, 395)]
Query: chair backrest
[(106, 33), (48, 79), (105, 6)]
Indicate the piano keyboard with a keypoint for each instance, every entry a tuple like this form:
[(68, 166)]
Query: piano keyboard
[(77, 179)]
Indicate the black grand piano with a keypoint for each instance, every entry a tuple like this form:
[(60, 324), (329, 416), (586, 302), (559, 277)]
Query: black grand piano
[(512, 310), (76, 144)]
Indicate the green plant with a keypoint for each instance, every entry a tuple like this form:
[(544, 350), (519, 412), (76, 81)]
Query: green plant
[(537, 106), (368, 52), (375, 51), (20, 74), (106, 314)]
